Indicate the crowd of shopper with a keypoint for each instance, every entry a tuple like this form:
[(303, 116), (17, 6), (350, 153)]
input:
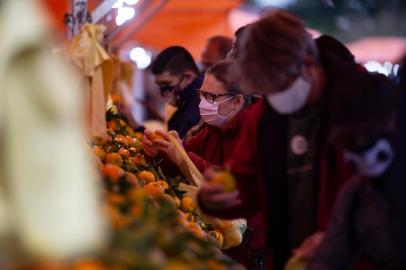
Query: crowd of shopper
[(310, 136)]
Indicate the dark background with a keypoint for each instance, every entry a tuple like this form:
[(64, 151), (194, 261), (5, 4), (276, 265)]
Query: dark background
[(347, 19)]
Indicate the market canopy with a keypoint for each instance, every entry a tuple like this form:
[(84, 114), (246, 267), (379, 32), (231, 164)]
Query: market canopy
[(182, 22), (162, 23)]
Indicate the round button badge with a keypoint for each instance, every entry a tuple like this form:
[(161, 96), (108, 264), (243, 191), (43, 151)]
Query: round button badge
[(299, 145)]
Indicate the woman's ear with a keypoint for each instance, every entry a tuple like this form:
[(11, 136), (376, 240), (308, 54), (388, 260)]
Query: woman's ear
[(239, 102), (309, 67)]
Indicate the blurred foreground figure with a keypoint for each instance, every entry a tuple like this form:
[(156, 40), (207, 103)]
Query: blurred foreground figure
[(397, 187), (216, 49), (364, 222), (48, 195)]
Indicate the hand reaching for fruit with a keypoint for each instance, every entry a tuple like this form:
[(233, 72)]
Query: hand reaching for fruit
[(301, 255), (148, 144), (219, 192), (159, 141)]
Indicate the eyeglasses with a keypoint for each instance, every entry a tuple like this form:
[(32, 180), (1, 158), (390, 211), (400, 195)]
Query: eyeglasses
[(211, 97), (166, 88)]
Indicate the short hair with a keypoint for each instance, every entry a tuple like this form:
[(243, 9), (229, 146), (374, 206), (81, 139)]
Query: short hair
[(223, 71), (273, 49), (237, 35), (175, 60), (223, 43), (239, 31)]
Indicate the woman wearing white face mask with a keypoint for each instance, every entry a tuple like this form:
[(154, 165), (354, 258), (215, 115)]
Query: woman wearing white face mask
[(223, 109)]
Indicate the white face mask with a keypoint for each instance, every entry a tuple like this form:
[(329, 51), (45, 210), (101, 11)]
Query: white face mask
[(374, 161), (210, 112), (291, 99)]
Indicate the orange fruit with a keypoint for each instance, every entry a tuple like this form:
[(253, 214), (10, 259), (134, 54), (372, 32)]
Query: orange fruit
[(124, 152), (133, 150), (176, 265), (138, 160), (169, 199), (146, 176), (122, 123), (114, 199), (177, 202), (196, 229), (120, 139), (218, 236), (130, 131), (187, 204), (87, 265), (98, 151), (131, 178), (190, 217), (137, 195), (154, 189), (117, 220), (225, 179), (136, 211), (112, 125), (215, 265), (163, 184), (139, 136), (128, 140), (114, 158), (155, 136), (180, 213), (112, 171)]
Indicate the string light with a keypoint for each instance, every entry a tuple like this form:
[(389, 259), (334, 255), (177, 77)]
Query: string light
[(141, 57)]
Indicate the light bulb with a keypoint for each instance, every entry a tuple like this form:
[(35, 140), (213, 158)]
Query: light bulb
[(141, 57)]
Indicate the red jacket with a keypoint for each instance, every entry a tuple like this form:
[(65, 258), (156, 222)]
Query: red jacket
[(213, 147)]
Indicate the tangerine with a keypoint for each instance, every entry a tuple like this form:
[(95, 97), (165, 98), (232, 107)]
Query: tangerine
[(99, 152), (156, 136), (113, 172), (146, 176), (131, 178), (87, 265), (225, 179), (114, 158), (163, 184), (187, 204), (112, 125), (154, 189), (124, 152)]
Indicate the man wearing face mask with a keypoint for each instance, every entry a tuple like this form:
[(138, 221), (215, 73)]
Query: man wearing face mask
[(283, 163), (223, 109), (178, 78)]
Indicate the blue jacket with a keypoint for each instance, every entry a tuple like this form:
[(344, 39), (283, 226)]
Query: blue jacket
[(188, 114)]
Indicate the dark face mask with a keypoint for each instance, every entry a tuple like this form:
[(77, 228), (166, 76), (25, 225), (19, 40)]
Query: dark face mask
[(173, 91), (166, 88)]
